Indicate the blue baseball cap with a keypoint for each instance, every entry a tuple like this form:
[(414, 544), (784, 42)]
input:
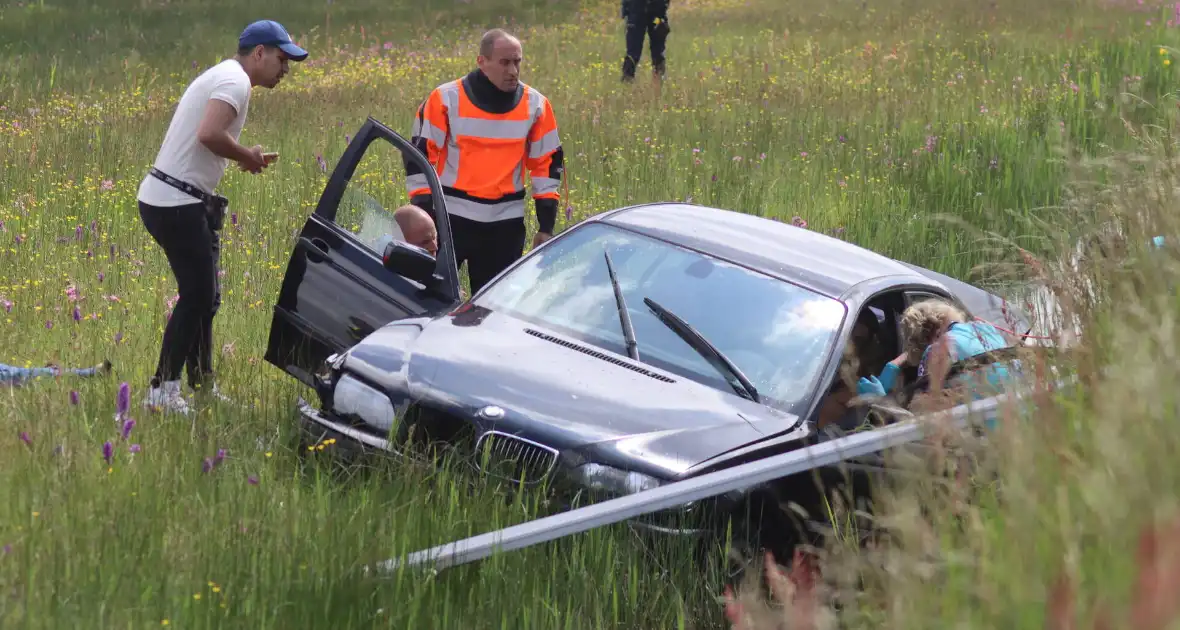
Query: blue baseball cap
[(271, 33)]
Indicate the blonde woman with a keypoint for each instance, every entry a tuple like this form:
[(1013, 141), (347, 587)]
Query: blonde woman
[(940, 334)]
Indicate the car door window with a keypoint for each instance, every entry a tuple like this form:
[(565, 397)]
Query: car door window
[(376, 189)]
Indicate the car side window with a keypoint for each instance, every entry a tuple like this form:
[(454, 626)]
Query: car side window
[(377, 188)]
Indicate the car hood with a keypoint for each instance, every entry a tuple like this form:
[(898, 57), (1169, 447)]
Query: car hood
[(582, 401)]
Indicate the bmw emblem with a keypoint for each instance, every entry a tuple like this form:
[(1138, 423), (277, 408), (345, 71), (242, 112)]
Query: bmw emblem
[(492, 412)]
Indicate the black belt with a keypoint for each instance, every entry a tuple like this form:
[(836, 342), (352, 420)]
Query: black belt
[(215, 205)]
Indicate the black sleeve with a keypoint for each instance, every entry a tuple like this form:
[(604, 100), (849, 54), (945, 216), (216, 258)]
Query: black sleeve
[(426, 202), (546, 214)]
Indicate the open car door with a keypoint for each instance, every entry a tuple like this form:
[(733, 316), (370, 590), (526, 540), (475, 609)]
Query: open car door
[(346, 277)]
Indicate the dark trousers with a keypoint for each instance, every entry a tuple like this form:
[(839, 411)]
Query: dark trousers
[(488, 248), (193, 251), (641, 22)]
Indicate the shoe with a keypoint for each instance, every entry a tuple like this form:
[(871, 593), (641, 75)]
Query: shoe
[(216, 393), (209, 388), (167, 397)]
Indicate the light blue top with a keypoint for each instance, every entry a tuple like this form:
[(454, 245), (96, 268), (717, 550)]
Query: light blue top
[(967, 339), (971, 339)]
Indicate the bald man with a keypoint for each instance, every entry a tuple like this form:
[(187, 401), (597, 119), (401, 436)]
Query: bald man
[(414, 226), (417, 227)]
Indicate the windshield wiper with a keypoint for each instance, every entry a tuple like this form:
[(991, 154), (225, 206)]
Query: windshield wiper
[(694, 338), (624, 316)]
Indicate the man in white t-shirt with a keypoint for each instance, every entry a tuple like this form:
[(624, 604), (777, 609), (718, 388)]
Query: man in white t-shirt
[(178, 205)]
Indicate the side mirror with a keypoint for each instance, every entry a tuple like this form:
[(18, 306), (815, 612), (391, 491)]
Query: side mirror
[(410, 261)]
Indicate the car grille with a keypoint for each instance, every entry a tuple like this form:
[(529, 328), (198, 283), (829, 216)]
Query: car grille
[(512, 458)]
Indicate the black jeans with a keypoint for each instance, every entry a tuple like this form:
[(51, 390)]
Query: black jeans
[(641, 22), (488, 248), (193, 251)]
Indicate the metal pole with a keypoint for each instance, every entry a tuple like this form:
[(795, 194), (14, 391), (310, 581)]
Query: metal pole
[(680, 492)]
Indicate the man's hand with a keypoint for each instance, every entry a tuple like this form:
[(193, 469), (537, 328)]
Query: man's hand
[(541, 237), (254, 160)]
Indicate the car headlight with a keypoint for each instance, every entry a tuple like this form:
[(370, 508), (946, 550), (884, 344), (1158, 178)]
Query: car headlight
[(370, 405), (616, 480)]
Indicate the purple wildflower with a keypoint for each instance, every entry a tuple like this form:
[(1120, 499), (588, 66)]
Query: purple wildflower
[(108, 451), (118, 338), (77, 314), (220, 456), (24, 437), (208, 464), (127, 426), (252, 480), (233, 219), (78, 233), (123, 399), (49, 324), (101, 276), (7, 306), (569, 212), (74, 397), (135, 448), (7, 549)]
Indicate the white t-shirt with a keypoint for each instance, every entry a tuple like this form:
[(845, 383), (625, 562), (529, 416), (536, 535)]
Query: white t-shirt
[(183, 156)]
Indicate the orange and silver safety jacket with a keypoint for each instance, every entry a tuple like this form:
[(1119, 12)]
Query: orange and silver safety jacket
[(482, 141)]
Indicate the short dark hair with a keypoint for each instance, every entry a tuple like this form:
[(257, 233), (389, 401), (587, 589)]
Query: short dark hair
[(246, 50), (489, 39)]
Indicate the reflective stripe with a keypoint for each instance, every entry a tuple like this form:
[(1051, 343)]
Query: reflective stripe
[(417, 182), (450, 173), (450, 95), (430, 132), (491, 128), (547, 143), (476, 211), (545, 186)]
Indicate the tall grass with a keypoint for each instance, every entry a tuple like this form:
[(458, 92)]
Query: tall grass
[(1066, 516), (874, 121)]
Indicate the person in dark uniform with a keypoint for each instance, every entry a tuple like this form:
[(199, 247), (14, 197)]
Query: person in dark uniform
[(645, 18)]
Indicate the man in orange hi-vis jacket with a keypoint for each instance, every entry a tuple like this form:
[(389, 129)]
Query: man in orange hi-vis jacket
[(483, 133)]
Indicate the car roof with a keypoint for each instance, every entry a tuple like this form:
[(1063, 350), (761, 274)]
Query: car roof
[(819, 262)]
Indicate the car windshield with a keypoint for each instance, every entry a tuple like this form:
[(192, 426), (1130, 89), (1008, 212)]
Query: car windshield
[(778, 334)]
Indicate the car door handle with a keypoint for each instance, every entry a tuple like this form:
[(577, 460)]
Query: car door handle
[(316, 248)]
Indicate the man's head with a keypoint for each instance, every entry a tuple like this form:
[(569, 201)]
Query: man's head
[(417, 227), (264, 48), (499, 59)]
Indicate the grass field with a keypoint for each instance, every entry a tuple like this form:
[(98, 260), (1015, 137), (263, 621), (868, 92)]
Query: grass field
[(875, 120)]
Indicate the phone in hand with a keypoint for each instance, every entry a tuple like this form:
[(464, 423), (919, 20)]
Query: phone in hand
[(270, 157)]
